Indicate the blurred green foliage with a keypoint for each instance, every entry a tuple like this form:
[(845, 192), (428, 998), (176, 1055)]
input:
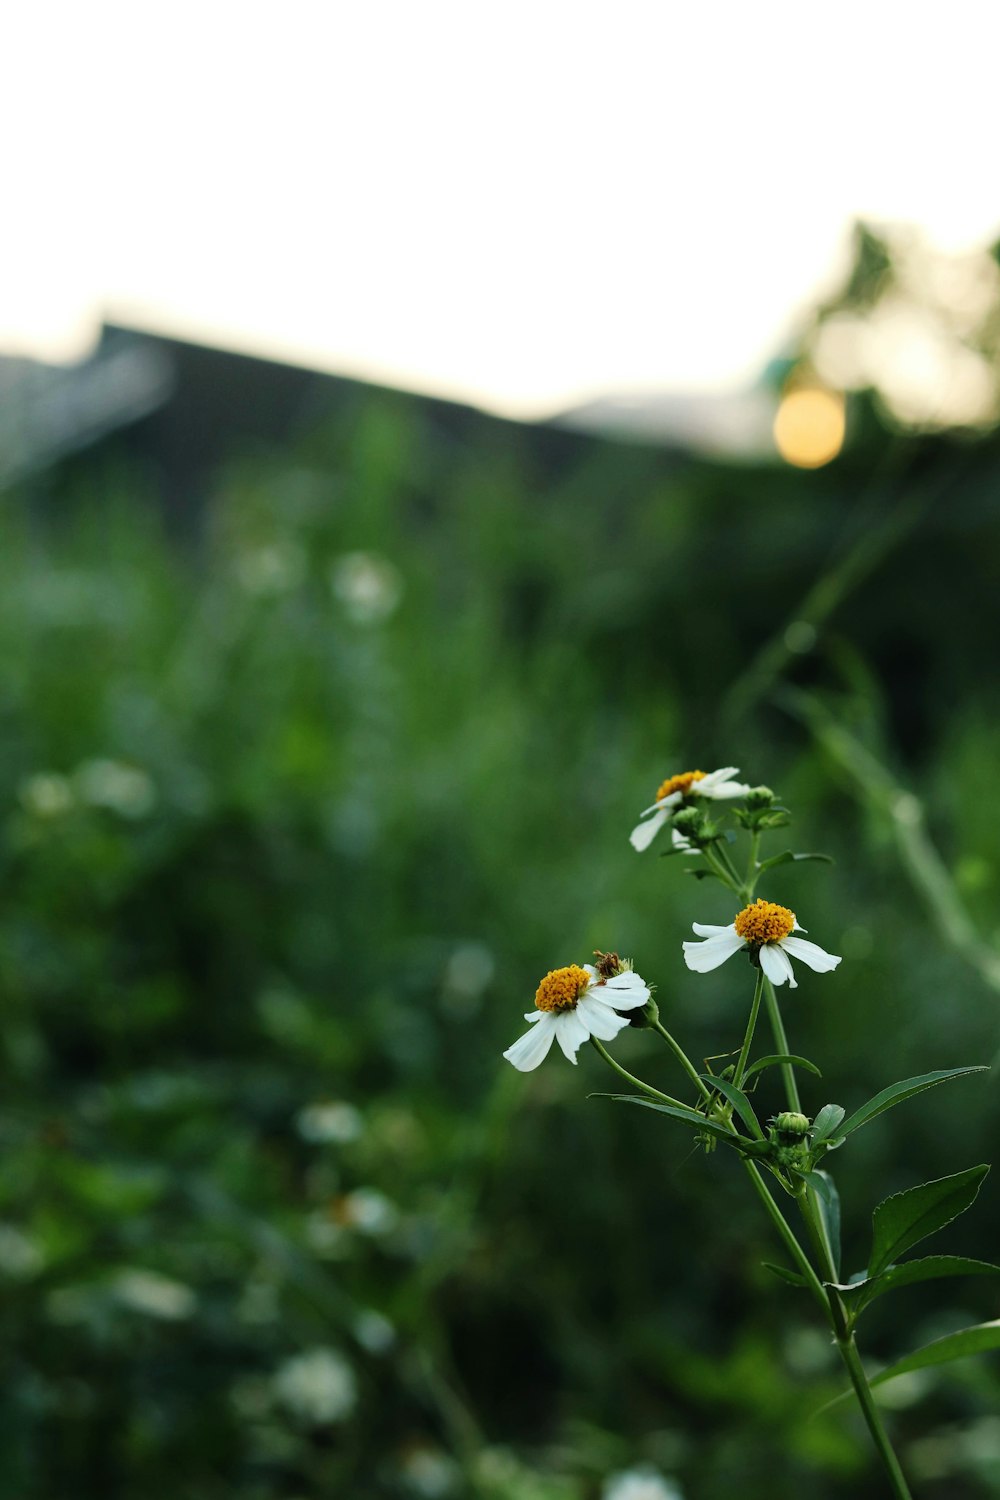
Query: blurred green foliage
[(293, 822)]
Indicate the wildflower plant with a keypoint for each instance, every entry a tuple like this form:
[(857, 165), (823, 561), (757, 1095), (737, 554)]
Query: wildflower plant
[(785, 1157)]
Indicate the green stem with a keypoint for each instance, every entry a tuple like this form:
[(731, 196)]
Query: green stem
[(753, 874), (787, 1234), (844, 1336), (630, 1077), (743, 1058), (781, 1045), (856, 1370), (728, 877), (728, 865), (683, 1059)]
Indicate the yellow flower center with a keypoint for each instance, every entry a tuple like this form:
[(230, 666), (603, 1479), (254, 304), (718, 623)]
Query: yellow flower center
[(681, 783), (561, 988), (764, 922)]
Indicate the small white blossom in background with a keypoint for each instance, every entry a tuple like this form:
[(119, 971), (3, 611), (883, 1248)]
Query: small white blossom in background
[(467, 974), (429, 1473), (640, 1484), (276, 569), (335, 1123), (325, 1237), (20, 1257), (374, 1332), (122, 789), (155, 1295), (317, 1386), (369, 587), (46, 794), (368, 1211)]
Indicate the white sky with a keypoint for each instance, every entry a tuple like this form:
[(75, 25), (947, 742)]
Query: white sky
[(521, 205)]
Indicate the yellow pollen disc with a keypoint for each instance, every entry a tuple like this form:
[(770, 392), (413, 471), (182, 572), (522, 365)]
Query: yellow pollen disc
[(681, 783), (561, 988), (764, 922)]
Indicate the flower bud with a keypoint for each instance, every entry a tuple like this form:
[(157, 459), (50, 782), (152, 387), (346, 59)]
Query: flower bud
[(645, 1015), (689, 821), (792, 1124), (759, 797)]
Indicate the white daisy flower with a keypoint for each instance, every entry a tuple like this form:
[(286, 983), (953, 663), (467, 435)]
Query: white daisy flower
[(767, 931), (571, 1006), (678, 789)]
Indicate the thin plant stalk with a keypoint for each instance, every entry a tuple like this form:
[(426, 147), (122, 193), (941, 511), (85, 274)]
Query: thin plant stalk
[(744, 1056), (825, 1295)]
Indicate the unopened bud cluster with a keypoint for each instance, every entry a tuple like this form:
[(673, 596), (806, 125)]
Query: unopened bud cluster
[(790, 1137)]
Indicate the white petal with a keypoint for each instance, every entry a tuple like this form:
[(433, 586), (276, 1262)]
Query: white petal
[(680, 842), (589, 969), (776, 965), (533, 1015), (643, 834), (571, 1033), (811, 953), (723, 789), (725, 773), (529, 1050), (624, 992), (703, 957), (599, 1019), (706, 929), (670, 801)]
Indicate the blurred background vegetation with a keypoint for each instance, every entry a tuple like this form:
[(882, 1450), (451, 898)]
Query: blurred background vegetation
[(299, 801)]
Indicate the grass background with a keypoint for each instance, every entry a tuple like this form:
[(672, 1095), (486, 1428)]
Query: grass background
[(295, 814)]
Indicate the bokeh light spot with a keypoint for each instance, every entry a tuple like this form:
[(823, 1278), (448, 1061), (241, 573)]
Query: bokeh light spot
[(809, 427)]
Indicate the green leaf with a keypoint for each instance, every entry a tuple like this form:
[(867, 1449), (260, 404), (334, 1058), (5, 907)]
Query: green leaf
[(929, 1268), (906, 1218), (979, 1339), (784, 1274), (787, 858), (897, 1092), (738, 1100), (776, 1058), (829, 1207), (826, 1122), (692, 1117), (702, 874)]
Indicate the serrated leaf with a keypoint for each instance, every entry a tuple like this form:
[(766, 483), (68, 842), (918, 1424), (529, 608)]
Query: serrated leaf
[(906, 1218), (794, 1278), (692, 1117), (738, 1100), (981, 1338), (897, 1092), (787, 858), (774, 1059), (928, 1268), (827, 1121)]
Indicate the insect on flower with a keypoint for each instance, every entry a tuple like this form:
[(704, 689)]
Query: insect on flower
[(572, 1005)]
